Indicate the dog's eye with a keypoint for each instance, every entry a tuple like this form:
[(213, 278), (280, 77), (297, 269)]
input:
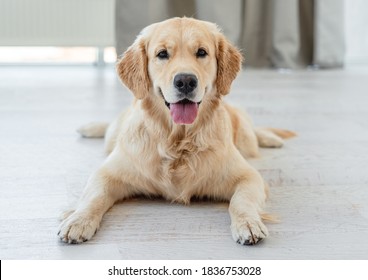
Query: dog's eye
[(201, 53), (163, 54)]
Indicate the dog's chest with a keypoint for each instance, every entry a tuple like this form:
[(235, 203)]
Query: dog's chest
[(176, 166), (183, 170), (178, 161)]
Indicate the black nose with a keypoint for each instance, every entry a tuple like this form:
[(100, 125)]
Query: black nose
[(185, 83)]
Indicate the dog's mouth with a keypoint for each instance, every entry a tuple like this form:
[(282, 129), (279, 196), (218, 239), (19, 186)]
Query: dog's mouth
[(183, 112)]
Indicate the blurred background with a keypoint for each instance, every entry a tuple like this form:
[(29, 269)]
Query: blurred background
[(289, 34)]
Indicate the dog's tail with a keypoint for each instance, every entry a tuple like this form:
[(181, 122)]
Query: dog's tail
[(283, 133), (93, 130), (269, 137)]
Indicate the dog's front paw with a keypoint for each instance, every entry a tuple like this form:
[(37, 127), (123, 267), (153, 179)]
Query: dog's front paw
[(248, 231), (78, 228)]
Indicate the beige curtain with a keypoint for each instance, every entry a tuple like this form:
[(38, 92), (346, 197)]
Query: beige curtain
[(272, 33)]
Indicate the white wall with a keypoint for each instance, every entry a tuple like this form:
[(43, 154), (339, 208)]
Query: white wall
[(57, 23), (356, 31)]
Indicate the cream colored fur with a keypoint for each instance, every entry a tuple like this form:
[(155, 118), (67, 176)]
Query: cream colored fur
[(151, 155)]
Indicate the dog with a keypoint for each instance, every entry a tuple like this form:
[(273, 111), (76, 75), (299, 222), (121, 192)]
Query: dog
[(178, 139)]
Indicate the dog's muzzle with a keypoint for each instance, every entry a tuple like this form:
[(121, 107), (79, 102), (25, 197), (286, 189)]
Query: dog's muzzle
[(185, 110)]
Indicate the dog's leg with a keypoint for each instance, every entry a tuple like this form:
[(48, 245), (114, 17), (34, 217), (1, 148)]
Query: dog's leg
[(267, 139), (101, 192), (245, 207), (272, 137), (246, 141), (93, 130)]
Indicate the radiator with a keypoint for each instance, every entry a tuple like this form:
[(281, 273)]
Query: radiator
[(57, 23)]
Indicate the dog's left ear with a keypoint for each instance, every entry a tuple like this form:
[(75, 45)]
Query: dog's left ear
[(229, 63), (132, 69)]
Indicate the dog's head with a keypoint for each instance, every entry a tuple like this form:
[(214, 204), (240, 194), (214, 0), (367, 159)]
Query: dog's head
[(180, 62)]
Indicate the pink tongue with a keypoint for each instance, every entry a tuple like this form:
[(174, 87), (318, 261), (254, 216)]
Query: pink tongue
[(183, 113)]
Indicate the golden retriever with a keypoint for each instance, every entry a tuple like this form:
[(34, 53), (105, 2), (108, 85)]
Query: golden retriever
[(179, 139)]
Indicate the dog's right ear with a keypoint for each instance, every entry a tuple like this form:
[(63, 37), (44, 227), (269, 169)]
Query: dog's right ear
[(132, 69)]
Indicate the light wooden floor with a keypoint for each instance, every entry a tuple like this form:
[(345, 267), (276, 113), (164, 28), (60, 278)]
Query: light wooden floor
[(319, 181)]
